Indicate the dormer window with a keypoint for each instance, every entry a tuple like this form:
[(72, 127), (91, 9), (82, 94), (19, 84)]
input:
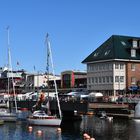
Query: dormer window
[(107, 52), (133, 53), (95, 54), (123, 43), (135, 44)]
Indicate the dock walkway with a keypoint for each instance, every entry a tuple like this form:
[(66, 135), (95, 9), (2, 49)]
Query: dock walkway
[(107, 105)]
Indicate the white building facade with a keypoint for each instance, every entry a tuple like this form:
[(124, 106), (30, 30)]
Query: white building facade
[(39, 80), (107, 77)]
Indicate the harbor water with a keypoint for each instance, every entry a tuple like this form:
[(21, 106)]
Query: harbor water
[(100, 129)]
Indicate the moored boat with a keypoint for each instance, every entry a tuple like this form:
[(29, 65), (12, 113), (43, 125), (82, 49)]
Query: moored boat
[(5, 113), (40, 117), (8, 116), (1, 122)]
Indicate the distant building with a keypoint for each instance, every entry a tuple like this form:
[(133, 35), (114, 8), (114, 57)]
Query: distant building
[(39, 81), (14, 77), (73, 79), (114, 67)]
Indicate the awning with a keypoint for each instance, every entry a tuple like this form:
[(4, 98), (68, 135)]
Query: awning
[(133, 88)]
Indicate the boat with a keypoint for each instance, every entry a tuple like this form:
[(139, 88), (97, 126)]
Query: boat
[(40, 117), (1, 122), (103, 115), (6, 114)]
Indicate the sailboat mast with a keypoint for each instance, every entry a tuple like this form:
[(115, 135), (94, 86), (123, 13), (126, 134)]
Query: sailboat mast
[(51, 60), (8, 44), (47, 68), (10, 67)]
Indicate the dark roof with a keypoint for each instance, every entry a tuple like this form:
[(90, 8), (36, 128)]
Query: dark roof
[(116, 47)]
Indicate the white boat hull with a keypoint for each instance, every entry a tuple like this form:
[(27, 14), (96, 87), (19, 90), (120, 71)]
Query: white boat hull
[(9, 117), (45, 122)]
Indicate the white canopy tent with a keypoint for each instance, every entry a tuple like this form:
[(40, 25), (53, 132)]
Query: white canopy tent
[(72, 93), (96, 94)]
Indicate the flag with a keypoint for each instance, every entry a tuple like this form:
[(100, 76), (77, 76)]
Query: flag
[(34, 68), (7, 27), (17, 63)]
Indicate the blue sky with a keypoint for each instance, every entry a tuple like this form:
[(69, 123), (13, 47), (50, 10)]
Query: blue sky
[(76, 28)]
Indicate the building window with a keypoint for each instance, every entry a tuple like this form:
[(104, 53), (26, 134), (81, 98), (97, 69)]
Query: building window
[(96, 67), (110, 66), (100, 67), (92, 79), (121, 66), (103, 79), (103, 66), (107, 79), (133, 80), (87, 67), (123, 43), (133, 67), (107, 52), (133, 53), (116, 66), (96, 54), (107, 66), (89, 86), (93, 68), (121, 78), (89, 80), (116, 78), (100, 80), (111, 79), (96, 80), (135, 44)]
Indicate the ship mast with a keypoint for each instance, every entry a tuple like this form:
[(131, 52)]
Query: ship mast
[(49, 55), (10, 68)]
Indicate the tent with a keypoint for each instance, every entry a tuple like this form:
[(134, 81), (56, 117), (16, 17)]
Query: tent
[(96, 94), (72, 93)]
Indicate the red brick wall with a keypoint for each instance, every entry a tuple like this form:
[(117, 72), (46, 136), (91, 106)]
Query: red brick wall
[(130, 73)]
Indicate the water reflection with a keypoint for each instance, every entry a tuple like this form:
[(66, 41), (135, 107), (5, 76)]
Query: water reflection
[(100, 129), (103, 129)]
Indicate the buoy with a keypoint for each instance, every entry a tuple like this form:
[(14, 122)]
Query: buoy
[(30, 128), (1, 122), (86, 136), (59, 129), (92, 139), (39, 132), (110, 118)]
